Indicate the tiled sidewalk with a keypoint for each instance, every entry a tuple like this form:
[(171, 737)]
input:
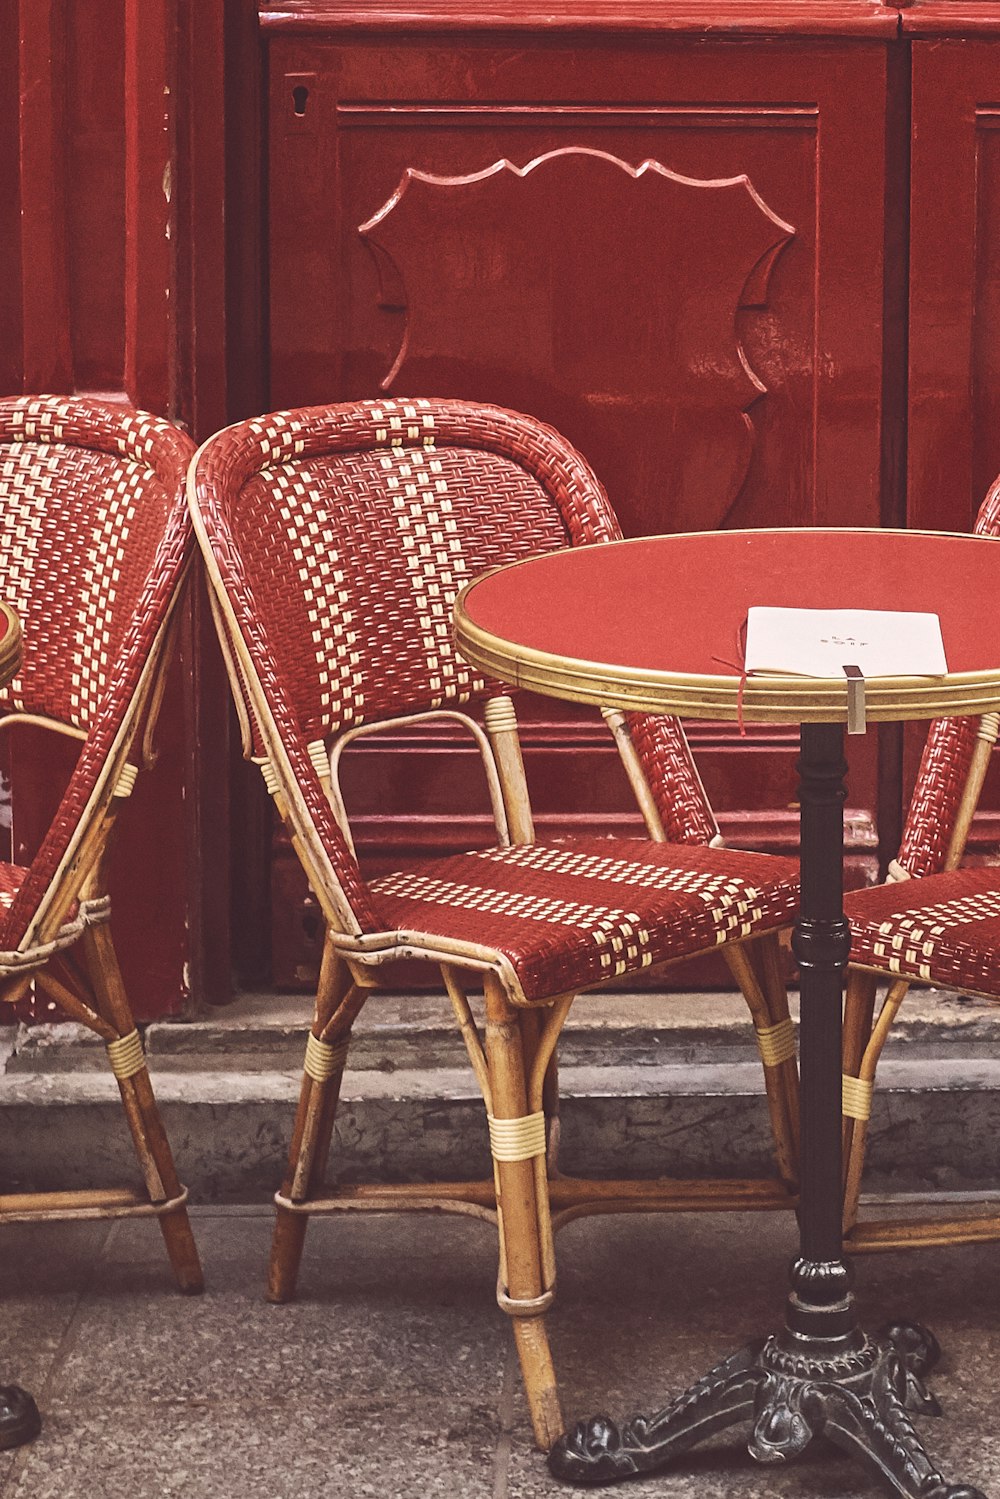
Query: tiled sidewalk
[(393, 1374)]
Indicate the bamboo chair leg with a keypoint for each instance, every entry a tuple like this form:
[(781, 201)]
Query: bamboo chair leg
[(524, 1297), (859, 1010), (777, 1047), (768, 951), (337, 1005), (148, 1135), (857, 997), (531, 1031), (543, 1077)]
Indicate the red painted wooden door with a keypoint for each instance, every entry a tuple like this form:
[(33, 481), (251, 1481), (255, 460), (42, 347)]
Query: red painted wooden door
[(110, 284), (679, 264), (954, 342)]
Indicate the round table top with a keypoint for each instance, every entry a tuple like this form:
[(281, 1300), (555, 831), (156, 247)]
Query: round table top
[(10, 644), (654, 624)]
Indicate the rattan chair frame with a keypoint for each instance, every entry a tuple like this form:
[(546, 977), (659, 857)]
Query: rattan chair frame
[(949, 784), (512, 1051), (64, 945)]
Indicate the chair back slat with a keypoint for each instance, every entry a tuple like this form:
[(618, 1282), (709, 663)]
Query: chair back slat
[(662, 747), (341, 536), (943, 775), (361, 556), (94, 536)]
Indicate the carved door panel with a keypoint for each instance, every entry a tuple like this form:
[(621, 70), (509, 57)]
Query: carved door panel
[(954, 346), (679, 265), (578, 281)]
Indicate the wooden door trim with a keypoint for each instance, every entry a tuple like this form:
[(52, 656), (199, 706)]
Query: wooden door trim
[(740, 17)]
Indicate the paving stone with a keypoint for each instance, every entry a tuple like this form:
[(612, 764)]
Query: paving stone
[(40, 1258), (386, 1300), (393, 1375), (282, 1451)]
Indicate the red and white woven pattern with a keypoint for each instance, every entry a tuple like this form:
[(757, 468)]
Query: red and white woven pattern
[(12, 877), (343, 535), (84, 510), (937, 794), (93, 537), (673, 778), (572, 915), (11, 880), (944, 766), (943, 929)]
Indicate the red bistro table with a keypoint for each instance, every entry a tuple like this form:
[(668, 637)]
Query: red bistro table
[(19, 1419), (655, 625)]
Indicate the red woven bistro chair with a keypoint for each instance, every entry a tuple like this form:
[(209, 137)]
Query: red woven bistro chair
[(336, 540), (94, 537), (932, 922)]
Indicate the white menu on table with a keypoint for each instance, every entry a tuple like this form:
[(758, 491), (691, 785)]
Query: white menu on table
[(821, 642)]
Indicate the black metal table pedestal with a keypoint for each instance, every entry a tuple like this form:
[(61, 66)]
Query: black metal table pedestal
[(19, 1418), (821, 1373)]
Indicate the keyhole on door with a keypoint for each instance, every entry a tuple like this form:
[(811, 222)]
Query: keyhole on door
[(299, 96)]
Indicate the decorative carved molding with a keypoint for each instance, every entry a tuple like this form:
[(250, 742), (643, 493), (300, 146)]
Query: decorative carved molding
[(602, 296), (951, 17), (742, 17)]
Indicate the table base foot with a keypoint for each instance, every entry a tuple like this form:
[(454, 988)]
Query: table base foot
[(791, 1389), (19, 1418)]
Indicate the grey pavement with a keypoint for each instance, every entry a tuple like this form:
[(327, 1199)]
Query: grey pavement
[(393, 1373)]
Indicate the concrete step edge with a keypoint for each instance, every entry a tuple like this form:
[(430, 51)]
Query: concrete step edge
[(736, 1079), (265, 1033)]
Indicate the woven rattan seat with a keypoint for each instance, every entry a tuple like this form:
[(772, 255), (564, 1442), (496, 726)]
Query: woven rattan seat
[(932, 922), (336, 540), (94, 539), (943, 929), (569, 917)]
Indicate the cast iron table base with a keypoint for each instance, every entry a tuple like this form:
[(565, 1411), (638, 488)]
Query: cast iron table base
[(792, 1389), (19, 1418), (822, 1373)]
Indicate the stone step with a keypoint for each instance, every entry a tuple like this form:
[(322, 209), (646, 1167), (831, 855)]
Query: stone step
[(266, 1032), (650, 1087)]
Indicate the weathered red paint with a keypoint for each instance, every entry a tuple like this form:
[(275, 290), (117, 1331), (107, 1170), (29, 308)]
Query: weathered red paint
[(795, 18), (47, 355), (92, 253), (150, 213), (714, 346), (810, 98)]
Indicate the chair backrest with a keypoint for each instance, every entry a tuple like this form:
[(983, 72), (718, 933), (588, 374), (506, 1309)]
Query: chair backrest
[(94, 536), (942, 788), (337, 538)]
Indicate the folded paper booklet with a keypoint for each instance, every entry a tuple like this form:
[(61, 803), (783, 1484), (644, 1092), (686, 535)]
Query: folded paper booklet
[(821, 642)]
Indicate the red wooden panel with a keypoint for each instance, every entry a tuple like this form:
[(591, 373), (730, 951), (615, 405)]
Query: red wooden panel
[(84, 95), (578, 281), (47, 354), (954, 440), (716, 350), (150, 217), (954, 367), (94, 203), (693, 17), (787, 119), (114, 139), (10, 203), (951, 17), (201, 217)]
